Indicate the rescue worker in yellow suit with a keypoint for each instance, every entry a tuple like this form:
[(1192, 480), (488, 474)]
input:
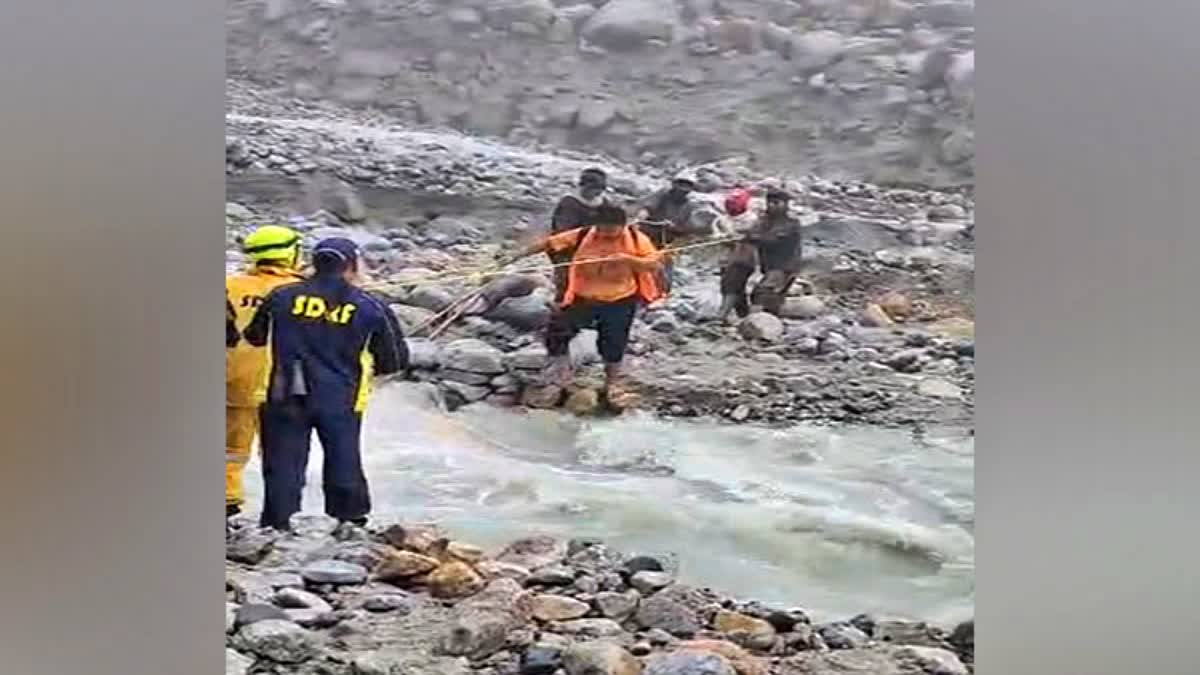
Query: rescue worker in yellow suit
[(275, 255)]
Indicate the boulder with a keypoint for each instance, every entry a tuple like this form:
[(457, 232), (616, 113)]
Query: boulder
[(761, 326), (617, 606), (236, 663), (622, 25), (295, 598), (689, 662), (583, 402), (802, 307), (815, 50), (423, 353), (527, 313), (558, 608), (455, 580), (741, 660), (664, 613), (411, 317), (599, 658), (932, 660), (647, 581), (474, 356), (403, 565), (279, 641), (335, 572)]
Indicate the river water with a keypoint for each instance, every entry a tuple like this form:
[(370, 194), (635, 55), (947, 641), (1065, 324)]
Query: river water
[(837, 521)]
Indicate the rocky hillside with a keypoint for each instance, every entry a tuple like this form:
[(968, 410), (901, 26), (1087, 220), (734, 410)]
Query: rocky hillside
[(878, 90)]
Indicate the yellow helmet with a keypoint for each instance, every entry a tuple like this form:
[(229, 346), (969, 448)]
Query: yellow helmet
[(273, 243)]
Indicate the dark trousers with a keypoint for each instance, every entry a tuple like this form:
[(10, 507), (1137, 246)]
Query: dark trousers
[(612, 320), (286, 431)]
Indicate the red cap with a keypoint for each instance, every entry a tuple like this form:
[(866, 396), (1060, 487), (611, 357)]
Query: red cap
[(737, 202)]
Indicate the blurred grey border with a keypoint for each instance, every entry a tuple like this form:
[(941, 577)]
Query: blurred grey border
[(1087, 458), (112, 255), (112, 185)]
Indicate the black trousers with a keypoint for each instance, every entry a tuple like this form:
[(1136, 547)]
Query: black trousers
[(612, 320), (734, 277), (285, 435)]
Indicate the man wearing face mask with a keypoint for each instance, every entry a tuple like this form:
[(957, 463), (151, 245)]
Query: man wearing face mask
[(576, 210), (666, 215), (777, 238)]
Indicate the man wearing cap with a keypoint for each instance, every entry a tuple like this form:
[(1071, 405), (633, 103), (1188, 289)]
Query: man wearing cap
[(665, 215), (777, 238), (327, 337), (274, 252), (576, 210)]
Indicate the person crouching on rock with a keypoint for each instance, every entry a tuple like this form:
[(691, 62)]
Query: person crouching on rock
[(328, 337), (604, 294)]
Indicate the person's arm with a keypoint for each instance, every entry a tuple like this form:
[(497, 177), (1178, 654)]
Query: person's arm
[(388, 349), (553, 243), (260, 326), (231, 332)]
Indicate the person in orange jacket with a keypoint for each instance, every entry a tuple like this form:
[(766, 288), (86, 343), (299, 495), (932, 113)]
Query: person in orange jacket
[(601, 294), (275, 253)]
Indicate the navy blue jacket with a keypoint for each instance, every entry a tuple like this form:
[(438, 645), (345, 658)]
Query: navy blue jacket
[(327, 339)]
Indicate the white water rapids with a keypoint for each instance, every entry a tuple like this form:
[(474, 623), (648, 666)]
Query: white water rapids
[(835, 521)]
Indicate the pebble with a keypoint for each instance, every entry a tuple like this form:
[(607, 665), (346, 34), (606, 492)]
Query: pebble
[(334, 572), (381, 604), (294, 598)]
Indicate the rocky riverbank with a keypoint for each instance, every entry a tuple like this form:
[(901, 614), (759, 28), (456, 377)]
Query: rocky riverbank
[(876, 89), (407, 598)]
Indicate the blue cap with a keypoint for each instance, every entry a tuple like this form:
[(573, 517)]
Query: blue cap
[(337, 247)]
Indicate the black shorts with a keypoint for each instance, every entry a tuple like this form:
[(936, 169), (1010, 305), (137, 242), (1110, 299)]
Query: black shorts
[(612, 321)]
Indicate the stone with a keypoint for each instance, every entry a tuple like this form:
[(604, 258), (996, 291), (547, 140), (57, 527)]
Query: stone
[(583, 402), (334, 572), (802, 307), (647, 582), (529, 358), (947, 212), (381, 604), (737, 34), (236, 663), (735, 622), (238, 212), (417, 538), (553, 575), (308, 618), (642, 563), (474, 356), (527, 313), (617, 606), (932, 660), (493, 569), (936, 387), (558, 608), (455, 580), (465, 392), (761, 326), (743, 663), (844, 662), (594, 116), (689, 662), (230, 617), (960, 76), (622, 25), (599, 658), (897, 305), (431, 298), (842, 636), (541, 660), (542, 397), (250, 545), (279, 641), (464, 18), (423, 354), (814, 50), (947, 13), (464, 377), (505, 13), (402, 566), (294, 598), (589, 628), (534, 552), (465, 552), (397, 661), (411, 318), (477, 635), (958, 147), (875, 317), (252, 613), (669, 615)]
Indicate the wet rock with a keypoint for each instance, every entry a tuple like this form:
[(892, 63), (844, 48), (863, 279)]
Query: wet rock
[(455, 580), (401, 566), (689, 663), (236, 663), (294, 598), (743, 663), (588, 628), (842, 636), (761, 326), (642, 563), (252, 613), (803, 307), (932, 660), (647, 582), (552, 575), (526, 313), (541, 661), (416, 538), (628, 24), (599, 658), (333, 572), (617, 606), (279, 641), (474, 356), (558, 608), (583, 402), (250, 545), (669, 615)]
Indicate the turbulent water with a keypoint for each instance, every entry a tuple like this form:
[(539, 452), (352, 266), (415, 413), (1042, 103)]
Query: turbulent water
[(836, 521)]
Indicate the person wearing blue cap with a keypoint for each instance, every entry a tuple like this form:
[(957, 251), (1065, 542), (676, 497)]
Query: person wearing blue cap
[(327, 337)]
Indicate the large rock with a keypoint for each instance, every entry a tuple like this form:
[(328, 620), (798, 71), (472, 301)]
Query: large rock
[(815, 50), (599, 658), (279, 641), (528, 313), (932, 660), (665, 613), (739, 658), (802, 307), (295, 598), (236, 663), (844, 662), (558, 608), (474, 356), (589, 628), (404, 565), (411, 317), (397, 661), (423, 353), (735, 622), (455, 580), (629, 24), (334, 572), (761, 326), (430, 297), (617, 606), (689, 662)]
